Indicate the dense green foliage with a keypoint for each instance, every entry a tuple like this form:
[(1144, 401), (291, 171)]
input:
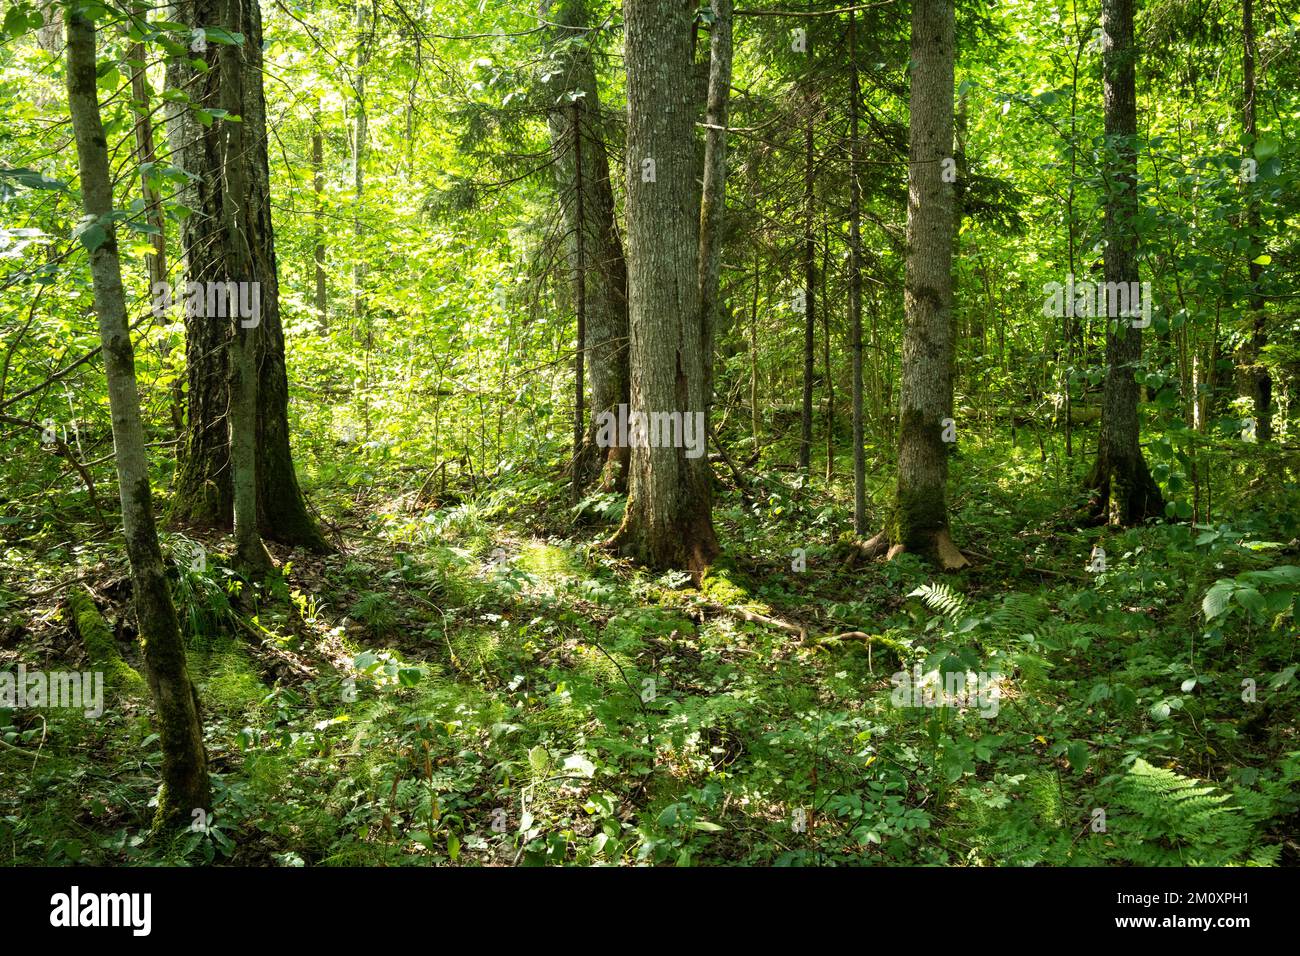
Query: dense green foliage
[(470, 677)]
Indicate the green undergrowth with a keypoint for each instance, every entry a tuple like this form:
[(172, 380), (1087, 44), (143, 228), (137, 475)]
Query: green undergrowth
[(463, 686)]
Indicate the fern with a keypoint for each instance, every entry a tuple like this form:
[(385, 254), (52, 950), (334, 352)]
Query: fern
[(1167, 819), (376, 611), (942, 599), (1019, 614)]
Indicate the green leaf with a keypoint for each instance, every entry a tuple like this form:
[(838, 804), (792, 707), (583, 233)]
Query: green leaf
[(1250, 599), (15, 21), (91, 233), (539, 759), (1077, 754), (1218, 598), (1267, 147), (224, 37), (32, 179)]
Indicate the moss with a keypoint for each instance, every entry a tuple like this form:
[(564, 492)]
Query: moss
[(228, 682), (916, 516), (725, 584), (101, 646), (547, 560), (204, 505)]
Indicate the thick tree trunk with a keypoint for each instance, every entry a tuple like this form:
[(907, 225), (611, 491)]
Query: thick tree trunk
[(1125, 493), (205, 490), (580, 161), (185, 772), (668, 522), (241, 224), (919, 522)]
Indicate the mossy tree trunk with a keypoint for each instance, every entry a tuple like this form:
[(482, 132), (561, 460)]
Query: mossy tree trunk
[(1123, 491), (204, 494), (919, 518), (668, 522), (185, 785)]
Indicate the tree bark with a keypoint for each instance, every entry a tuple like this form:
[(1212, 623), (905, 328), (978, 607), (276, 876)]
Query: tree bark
[(855, 289), (668, 521), (185, 784), (204, 493), (809, 294), (240, 224), (1124, 492), (713, 191), (1258, 384), (318, 187), (359, 134), (919, 522), (582, 171)]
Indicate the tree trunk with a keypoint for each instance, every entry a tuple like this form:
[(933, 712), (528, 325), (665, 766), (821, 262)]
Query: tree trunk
[(919, 522), (1258, 385), (668, 521), (1125, 493), (809, 295), (204, 490), (184, 771), (713, 190), (359, 133), (239, 220), (580, 159), (855, 289), (826, 354), (318, 187)]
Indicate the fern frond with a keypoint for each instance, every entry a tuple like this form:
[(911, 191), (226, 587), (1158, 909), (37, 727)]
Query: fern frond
[(1019, 613), (942, 599), (1167, 819)]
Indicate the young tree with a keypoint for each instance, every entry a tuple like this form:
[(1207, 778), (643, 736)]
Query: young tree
[(1125, 493), (1257, 383), (668, 522), (185, 769), (855, 289)]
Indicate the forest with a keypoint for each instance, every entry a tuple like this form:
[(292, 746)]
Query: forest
[(657, 433)]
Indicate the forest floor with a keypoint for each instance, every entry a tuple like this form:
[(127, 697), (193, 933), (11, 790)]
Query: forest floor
[(475, 681)]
